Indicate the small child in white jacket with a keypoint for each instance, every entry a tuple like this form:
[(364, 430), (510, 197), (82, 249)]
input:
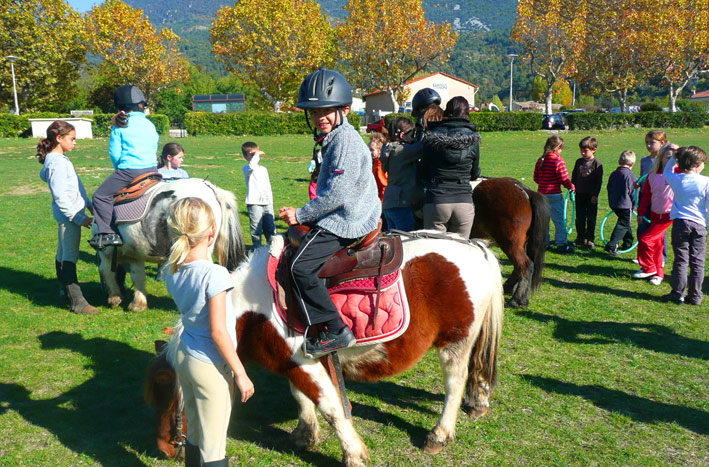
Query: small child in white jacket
[(259, 198)]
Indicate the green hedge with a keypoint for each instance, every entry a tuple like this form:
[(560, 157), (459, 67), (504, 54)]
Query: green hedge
[(591, 121), (251, 123), (493, 121), (12, 126)]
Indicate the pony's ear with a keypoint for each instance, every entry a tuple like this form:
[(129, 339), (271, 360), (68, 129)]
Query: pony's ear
[(160, 345)]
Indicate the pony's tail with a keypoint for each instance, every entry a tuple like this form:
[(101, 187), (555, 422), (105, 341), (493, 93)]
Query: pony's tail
[(536, 237), (230, 247), (482, 365)]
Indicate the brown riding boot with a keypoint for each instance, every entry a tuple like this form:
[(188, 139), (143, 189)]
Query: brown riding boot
[(71, 284)]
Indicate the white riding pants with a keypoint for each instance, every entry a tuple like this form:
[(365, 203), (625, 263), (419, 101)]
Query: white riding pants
[(207, 391)]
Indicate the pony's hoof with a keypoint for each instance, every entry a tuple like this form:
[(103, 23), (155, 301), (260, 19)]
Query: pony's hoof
[(136, 307), (513, 303), (114, 301), (475, 412), (434, 445), (304, 438), (356, 461)]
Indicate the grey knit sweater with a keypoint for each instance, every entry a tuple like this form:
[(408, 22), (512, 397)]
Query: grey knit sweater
[(347, 203)]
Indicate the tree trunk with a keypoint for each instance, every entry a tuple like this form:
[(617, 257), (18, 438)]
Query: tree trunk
[(274, 102), (675, 93), (623, 99), (547, 98), (392, 96)]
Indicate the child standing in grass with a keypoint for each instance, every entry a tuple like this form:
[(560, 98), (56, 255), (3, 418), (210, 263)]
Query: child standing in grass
[(654, 140), (550, 173), (689, 233), (69, 203), (206, 360), (259, 197), (376, 144), (170, 163), (587, 177), (655, 204), (621, 185)]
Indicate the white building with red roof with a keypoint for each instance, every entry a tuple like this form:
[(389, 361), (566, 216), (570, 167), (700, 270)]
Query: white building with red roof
[(378, 103)]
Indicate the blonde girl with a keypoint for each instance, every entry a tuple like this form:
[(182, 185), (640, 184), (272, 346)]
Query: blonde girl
[(69, 204), (206, 360)]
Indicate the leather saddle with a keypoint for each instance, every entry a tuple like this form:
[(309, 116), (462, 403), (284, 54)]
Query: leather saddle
[(137, 187), (371, 256), (369, 259)]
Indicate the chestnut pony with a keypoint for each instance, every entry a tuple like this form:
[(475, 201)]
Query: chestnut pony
[(454, 291), (516, 218)]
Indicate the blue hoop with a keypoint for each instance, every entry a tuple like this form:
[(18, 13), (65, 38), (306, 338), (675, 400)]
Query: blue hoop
[(603, 224), (572, 195)]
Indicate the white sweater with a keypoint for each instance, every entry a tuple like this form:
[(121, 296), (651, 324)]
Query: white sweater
[(258, 185)]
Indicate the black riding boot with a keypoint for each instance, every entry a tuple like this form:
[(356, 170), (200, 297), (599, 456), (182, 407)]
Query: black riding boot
[(71, 284), (222, 463), (192, 456), (58, 268)]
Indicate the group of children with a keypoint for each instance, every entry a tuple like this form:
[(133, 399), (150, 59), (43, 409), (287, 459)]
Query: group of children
[(671, 191)]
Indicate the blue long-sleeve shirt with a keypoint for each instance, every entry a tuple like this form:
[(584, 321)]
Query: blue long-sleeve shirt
[(69, 199), (136, 146)]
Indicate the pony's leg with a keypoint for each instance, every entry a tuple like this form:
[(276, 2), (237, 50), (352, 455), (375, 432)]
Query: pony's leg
[(307, 433), (523, 268), (454, 362), (137, 274), (477, 398), (354, 451), (109, 278)]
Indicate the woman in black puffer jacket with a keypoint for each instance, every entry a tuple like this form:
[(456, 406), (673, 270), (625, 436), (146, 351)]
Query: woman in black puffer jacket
[(451, 152)]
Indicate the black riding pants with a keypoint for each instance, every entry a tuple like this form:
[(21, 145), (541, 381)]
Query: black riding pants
[(315, 249), (103, 196)]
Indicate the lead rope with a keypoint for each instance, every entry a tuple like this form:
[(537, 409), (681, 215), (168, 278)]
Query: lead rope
[(179, 439)]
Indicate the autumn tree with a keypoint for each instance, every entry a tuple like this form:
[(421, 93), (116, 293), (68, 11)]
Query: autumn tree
[(612, 59), (385, 44), (550, 35), (131, 49), (273, 44), (46, 36), (677, 42)]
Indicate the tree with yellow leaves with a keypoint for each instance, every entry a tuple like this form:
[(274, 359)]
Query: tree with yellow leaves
[(612, 59), (676, 45), (385, 44), (46, 36), (273, 44), (131, 49), (550, 34)]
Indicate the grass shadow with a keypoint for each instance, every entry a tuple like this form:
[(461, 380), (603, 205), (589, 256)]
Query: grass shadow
[(34, 287), (648, 336), (601, 289), (254, 421), (102, 416), (638, 408)]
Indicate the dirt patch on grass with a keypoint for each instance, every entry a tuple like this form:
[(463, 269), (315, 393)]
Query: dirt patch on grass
[(27, 190)]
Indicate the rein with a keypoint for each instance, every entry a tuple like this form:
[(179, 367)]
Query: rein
[(179, 440), (417, 234)]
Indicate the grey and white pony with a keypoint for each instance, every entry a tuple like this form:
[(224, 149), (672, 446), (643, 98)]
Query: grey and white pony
[(147, 240)]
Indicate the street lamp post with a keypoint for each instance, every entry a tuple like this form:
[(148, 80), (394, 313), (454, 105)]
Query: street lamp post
[(11, 59), (512, 59)]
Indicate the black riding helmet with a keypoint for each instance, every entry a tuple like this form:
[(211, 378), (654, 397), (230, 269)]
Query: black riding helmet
[(321, 89), (423, 99), (128, 97)]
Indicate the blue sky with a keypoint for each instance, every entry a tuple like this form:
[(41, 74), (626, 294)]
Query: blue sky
[(83, 5)]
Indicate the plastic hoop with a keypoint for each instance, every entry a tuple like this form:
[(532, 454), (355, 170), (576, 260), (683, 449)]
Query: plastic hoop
[(572, 196), (603, 224)]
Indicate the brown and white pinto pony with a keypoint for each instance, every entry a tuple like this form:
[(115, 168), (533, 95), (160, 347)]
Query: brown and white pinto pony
[(454, 291), (516, 218)]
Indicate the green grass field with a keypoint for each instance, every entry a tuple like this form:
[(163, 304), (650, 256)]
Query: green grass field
[(596, 372)]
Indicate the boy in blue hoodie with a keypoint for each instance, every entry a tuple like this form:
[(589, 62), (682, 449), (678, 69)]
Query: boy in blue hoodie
[(133, 152)]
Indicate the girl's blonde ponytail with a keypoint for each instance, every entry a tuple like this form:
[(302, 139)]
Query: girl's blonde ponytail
[(189, 223)]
